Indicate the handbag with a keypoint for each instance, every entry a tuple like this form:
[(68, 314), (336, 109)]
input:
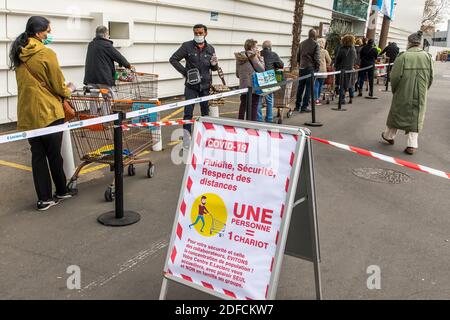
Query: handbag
[(264, 79), (69, 111)]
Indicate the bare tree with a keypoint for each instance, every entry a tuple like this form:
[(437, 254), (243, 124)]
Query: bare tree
[(434, 13), (296, 31)]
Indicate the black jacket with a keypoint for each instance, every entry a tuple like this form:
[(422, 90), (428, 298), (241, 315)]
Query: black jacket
[(391, 51), (346, 58), (100, 60), (368, 55), (271, 59), (309, 55), (196, 58)]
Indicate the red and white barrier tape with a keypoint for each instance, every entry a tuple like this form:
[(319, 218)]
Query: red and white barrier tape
[(157, 124), (385, 158)]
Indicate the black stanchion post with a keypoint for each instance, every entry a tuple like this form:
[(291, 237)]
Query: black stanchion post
[(249, 103), (119, 217), (341, 92), (372, 85), (313, 123), (388, 76)]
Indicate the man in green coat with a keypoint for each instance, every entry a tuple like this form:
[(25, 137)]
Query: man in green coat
[(411, 77)]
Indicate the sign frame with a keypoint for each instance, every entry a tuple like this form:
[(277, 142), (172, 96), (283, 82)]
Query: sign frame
[(303, 144)]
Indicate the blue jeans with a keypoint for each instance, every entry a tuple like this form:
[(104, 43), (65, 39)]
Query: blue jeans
[(199, 218), (351, 90), (269, 113), (302, 86), (318, 87)]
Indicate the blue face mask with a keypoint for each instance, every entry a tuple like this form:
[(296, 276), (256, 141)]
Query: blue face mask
[(48, 40)]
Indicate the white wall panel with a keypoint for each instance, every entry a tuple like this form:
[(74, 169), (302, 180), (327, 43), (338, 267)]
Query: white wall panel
[(159, 28)]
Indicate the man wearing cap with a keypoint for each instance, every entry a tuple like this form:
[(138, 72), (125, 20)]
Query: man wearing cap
[(411, 78)]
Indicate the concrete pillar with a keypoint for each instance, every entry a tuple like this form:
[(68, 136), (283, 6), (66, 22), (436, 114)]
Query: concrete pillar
[(67, 154)]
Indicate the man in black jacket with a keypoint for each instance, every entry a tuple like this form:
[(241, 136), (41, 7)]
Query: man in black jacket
[(309, 59), (272, 61), (391, 51), (369, 56), (200, 60), (101, 55)]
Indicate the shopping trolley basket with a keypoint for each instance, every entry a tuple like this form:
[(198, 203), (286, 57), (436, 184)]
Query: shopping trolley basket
[(284, 99), (217, 226), (219, 88), (135, 85), (95, 144)]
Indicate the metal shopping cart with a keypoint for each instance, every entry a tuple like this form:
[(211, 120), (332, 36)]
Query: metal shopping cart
[(284, 99), (135, 85), (217, 226), (219, 88), (329, 93), (95, 144)]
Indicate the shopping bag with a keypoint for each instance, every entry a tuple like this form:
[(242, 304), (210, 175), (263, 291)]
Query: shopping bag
[(263, 79)]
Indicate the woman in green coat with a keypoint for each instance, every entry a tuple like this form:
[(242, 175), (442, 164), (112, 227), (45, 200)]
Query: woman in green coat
[(40, 89), (411, 77)]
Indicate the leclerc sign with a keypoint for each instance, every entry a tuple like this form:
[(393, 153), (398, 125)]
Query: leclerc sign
[(234, 208)]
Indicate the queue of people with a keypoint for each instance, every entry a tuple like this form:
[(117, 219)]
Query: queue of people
[(42, 88)]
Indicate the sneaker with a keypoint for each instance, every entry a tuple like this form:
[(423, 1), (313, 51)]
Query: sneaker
[(65, 196), (305, 110), (45, 205), (410, 151), (390, 141), (318, 103)]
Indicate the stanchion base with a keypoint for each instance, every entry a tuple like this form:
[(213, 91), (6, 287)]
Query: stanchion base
[(372, 98), (313, 124), (109, 219), (337, 109)]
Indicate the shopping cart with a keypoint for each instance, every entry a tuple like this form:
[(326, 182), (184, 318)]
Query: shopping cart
[(284, 99), (219, 88), (329, 92), (217, 226), (135, 85), (95, 144)]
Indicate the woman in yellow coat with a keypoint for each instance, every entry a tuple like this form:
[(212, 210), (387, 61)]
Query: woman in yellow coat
[(41, 88)]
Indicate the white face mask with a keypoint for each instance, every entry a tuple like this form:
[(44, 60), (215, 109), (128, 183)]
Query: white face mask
[(199, 39)]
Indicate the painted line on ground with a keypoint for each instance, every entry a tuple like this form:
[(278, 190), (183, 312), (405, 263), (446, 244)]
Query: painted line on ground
[(127, 266)]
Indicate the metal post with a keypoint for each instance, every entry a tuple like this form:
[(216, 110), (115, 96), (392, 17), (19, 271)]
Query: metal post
[(119, 217), (371, 85), (249, 104), (341, 98), (388, 76), (313, 123)]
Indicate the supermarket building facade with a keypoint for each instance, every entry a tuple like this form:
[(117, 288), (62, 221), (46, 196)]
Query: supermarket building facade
[(147, 32)]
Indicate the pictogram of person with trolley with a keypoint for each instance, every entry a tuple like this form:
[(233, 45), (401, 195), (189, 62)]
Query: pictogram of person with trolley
[(201, 212)]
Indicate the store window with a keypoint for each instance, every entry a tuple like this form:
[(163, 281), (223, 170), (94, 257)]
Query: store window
[(355, 8)]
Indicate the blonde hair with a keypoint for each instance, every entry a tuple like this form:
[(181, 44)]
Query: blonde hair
[(348, 40), (359, 42), (322, 42)]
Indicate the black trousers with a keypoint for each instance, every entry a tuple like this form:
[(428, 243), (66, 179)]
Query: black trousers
[(302, 101), (46, 152), (362, 78), (243, 106), (189, 94)]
